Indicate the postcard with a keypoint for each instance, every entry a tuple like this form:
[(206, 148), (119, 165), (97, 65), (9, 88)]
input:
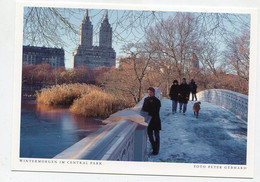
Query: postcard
[(147, 90)]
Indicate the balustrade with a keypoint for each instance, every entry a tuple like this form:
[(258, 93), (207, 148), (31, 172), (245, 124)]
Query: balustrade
[(235, 102)]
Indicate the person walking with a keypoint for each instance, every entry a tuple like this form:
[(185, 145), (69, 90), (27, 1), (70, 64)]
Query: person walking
[(152, 106), (193, 89), (184, 92), (174, 91)]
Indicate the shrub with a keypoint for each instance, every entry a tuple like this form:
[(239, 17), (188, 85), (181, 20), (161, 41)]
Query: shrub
[(96, 103), (63, 94)]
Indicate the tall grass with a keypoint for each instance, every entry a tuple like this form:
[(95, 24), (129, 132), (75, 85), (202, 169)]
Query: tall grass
[(83, 99), (96, 103), (63, 94)]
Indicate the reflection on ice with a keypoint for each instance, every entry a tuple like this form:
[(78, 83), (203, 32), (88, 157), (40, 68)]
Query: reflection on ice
[(48, 130)]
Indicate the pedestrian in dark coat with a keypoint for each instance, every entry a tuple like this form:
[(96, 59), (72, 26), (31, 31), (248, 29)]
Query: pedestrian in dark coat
[(193, 89), (152, 106), (174, 92), (184, 92)]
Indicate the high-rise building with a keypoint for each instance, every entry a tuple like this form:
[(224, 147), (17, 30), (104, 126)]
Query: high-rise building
[(86, 33), (194, 62), (105, 34), (38, 55), (93, 56)]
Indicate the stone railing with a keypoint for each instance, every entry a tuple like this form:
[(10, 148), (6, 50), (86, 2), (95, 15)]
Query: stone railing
[(235, 102), (124, 138)]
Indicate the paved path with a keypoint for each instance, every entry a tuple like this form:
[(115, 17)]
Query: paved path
[(216, 137)]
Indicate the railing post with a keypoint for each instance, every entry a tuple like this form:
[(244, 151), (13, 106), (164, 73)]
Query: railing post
[(140, 145)]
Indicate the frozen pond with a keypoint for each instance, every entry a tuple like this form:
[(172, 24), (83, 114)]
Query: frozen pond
[(47, 131)]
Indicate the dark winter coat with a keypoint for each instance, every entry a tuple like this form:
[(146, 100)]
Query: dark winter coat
[(152, 106), (184, 91), (174, 91), (193, 87)]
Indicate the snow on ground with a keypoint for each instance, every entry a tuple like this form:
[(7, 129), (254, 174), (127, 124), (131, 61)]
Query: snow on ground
[(216, 137)]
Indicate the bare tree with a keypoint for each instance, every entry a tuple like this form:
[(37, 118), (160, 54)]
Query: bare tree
[(138, 63), (49, 26), (173, 40), (209, 55), (238, 55)]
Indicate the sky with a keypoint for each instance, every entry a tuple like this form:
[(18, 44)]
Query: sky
[(121, 22)]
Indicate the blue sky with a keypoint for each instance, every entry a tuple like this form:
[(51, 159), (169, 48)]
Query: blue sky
[(120, 23)]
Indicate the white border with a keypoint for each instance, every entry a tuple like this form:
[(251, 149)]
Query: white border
[(143, 168)]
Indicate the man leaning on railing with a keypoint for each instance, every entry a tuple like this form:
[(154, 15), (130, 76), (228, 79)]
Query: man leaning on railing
[(152, 106)]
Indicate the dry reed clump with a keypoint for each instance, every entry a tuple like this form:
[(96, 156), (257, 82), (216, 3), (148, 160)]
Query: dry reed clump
[(63, 94), (96, 103)]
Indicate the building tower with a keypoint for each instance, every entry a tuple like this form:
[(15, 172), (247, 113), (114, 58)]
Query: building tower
[(194, 62), (91, 56), (105, 34), (86, 32)]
